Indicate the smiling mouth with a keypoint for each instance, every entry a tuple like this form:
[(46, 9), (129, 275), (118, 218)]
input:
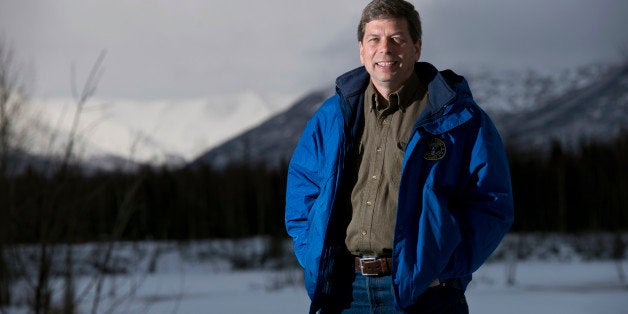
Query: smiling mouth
[(386, 63)]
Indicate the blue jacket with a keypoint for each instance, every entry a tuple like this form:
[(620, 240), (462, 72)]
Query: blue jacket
[(455, 198)]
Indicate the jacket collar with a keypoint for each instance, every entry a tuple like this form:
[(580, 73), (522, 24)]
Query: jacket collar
[(440, 95), (443, 88), (440, 92)]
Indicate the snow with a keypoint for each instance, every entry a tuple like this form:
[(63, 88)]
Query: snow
[(549, 287), (519, 90), (199, 278), (543, 287), (237, 292)]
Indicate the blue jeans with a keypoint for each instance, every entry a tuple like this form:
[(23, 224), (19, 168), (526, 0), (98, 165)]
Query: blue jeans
[(374, 294)]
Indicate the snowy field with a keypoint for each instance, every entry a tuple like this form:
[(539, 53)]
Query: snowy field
[(190, 279), (542, 288)]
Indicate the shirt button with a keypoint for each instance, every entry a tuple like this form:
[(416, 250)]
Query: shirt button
[(374, 178), (379, 149), (369, 203), (364, 232)]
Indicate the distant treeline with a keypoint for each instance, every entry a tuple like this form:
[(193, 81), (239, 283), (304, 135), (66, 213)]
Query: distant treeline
[(585, 189), (566, 191)]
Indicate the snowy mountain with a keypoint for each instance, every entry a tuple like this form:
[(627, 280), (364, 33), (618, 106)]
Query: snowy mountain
[(530, 110), (597, 111), (110, 135), (512, 91), (272, 141)]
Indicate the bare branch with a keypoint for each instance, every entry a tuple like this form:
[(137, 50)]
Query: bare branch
[(9, 106), (88, 91)]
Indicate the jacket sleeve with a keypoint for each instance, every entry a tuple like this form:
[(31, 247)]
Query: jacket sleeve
[(486, 205), (303, 187)]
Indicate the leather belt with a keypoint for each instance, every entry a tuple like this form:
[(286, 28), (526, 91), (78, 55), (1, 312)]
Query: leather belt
[(373, 266), (382, 266)]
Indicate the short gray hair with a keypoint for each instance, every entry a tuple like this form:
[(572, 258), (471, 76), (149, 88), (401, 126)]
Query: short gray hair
[(384, 9)]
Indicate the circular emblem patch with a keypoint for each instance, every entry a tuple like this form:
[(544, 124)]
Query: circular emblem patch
[(435, 150)]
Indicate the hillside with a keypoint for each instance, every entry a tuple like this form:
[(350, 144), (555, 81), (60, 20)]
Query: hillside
[(272, 141), (597, 111)]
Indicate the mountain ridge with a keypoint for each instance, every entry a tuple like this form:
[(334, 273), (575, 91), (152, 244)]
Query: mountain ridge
[(540, 112), (281, 129), (595, 112)]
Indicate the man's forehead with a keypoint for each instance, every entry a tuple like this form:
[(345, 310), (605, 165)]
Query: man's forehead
[(376, 25), (382, 19)]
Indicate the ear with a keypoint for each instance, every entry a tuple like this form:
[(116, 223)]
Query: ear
[(417, 49), (361, 52)]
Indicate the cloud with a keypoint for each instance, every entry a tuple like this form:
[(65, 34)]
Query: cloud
[(190, 49)]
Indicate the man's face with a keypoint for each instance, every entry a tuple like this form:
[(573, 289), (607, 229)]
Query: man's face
[(388, 53)]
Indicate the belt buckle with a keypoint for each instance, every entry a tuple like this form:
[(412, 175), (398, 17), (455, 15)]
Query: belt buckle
[(367, 259)]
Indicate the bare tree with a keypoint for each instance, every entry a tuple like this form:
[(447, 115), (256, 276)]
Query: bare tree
[(81, 99), (39, 274), (619, 247), (46, 275), (54, 220), (13, 99)]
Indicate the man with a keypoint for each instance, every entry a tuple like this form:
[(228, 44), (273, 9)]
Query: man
[(399, 187)]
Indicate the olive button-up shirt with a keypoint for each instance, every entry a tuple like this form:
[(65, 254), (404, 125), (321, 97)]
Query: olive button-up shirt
[(387, 128)]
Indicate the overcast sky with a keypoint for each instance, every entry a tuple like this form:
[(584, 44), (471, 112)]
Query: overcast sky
[(195, 48)]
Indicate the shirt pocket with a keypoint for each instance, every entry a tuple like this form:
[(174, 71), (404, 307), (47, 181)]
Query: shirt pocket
[(399, 153)]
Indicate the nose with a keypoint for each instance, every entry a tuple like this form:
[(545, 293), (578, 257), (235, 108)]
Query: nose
[(387, 45)]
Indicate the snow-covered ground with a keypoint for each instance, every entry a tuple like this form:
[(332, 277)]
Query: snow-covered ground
[(192, 279), (541, 288)]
